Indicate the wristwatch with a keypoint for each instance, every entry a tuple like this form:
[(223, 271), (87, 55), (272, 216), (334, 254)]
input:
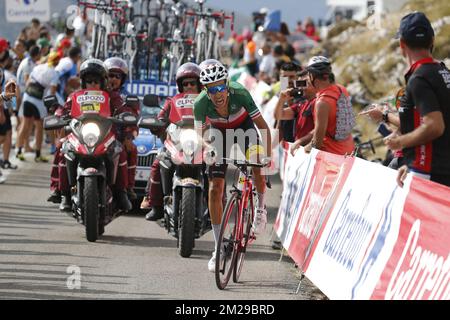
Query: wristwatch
[(386, 116)]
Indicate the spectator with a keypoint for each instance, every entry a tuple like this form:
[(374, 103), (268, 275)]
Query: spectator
[(279, 54), (267, 65), (333, 112), (44, 44), (43, 81), (33, 30), (424, 110), (68, 68), (288, 74), (301, 112)]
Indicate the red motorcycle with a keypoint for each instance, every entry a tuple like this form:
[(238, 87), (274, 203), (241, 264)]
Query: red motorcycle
[(92, 155), (185, 189)]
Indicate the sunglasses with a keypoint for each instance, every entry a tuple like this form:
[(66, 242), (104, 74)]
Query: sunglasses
[(216, 89), (115, 75), (189, 83), (93, 80)]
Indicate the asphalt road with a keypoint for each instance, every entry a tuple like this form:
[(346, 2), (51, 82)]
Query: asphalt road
[(44, 254)]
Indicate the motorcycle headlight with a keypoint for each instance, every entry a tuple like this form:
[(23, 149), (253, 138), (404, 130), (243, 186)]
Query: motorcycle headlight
[(189, 141), (90, 133)]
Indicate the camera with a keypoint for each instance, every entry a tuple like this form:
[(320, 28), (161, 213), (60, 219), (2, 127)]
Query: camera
[(300, 84), (296, 93)]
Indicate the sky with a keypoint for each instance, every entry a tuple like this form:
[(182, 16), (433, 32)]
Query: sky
[(291, 10)]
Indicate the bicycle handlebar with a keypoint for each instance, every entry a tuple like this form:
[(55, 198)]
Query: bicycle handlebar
[(244, 163)]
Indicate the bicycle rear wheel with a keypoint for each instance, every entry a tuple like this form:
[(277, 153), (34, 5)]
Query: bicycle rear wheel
[(227, 241), (241, 247)]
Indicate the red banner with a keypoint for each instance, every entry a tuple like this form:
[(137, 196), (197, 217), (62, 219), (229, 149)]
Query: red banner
[(419, 267), (329, 175)]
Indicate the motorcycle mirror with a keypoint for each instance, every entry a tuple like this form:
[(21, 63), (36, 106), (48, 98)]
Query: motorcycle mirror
[(50, 101), (53, 123), (128, 119), (147, 122), (132, 100), (151, 100)]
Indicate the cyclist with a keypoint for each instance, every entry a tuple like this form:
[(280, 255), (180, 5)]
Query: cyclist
[(188, 83), (228, 105), (93, 76), (117, 74)]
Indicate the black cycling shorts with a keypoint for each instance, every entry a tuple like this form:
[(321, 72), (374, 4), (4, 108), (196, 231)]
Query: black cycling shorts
[(5, 127), (219, 169), (31, 111)]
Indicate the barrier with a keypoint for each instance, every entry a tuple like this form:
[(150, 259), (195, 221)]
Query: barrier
[(357, 235)]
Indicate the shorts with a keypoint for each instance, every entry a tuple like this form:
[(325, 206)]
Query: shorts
[(30, 110), (5, 127), (219, 170)]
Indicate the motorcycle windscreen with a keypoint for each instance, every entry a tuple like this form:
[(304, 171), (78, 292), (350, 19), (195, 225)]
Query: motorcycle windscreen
[(90, 102), (184, 109)]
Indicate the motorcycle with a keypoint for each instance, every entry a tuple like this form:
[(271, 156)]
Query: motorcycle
[(185, 188), (92, 156)]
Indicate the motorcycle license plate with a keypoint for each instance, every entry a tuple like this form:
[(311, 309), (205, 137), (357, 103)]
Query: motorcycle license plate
[(142, 175)]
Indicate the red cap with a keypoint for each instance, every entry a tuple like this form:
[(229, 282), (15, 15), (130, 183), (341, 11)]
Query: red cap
[(4, 45)]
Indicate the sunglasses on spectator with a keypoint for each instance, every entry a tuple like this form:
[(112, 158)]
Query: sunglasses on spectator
[(189, 83), (115, 75), (218, 88)]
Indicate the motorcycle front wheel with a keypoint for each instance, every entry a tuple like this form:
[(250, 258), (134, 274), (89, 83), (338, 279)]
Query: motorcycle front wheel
[(91, 208), (186, 226)]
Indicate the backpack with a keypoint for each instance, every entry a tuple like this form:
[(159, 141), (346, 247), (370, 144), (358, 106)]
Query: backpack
[(345, 118)]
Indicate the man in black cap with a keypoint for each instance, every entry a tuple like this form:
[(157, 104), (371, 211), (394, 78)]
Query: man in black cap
[(425, 108)]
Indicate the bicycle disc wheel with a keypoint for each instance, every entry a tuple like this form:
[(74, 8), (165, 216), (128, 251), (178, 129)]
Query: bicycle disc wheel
[(227, 241), (241, 247)]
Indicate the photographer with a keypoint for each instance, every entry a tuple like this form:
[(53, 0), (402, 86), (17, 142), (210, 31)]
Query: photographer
[(288, 75), (301, 111)]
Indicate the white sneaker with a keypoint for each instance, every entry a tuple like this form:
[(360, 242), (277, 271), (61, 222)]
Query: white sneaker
[(260, 221), (2, 178), (212, 261)]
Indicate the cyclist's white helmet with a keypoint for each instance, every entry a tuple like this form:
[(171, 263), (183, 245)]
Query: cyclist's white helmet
[(212, 71), (319, 64)]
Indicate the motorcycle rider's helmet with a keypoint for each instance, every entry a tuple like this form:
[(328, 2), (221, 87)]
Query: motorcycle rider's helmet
[(188, 70), (212, 71), (93, 68), (118, 65)]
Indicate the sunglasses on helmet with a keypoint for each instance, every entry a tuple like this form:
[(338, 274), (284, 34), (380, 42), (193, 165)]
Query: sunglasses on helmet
[(218, 88)]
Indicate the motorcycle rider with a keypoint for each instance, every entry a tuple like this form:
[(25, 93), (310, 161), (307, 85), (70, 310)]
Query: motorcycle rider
[(117, 73), (93, 76), (188, 83)]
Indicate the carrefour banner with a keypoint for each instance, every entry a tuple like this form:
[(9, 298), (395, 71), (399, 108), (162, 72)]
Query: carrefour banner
[(357, 235), (25, 10)]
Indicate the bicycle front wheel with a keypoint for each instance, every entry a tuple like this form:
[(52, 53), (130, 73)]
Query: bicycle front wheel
[(241, 246), (227, 243)]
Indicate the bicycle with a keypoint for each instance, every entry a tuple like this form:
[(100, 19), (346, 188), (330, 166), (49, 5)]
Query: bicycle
[(236, 227)]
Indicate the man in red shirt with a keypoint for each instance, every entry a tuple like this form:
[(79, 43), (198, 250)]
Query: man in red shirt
[(301, 111)]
